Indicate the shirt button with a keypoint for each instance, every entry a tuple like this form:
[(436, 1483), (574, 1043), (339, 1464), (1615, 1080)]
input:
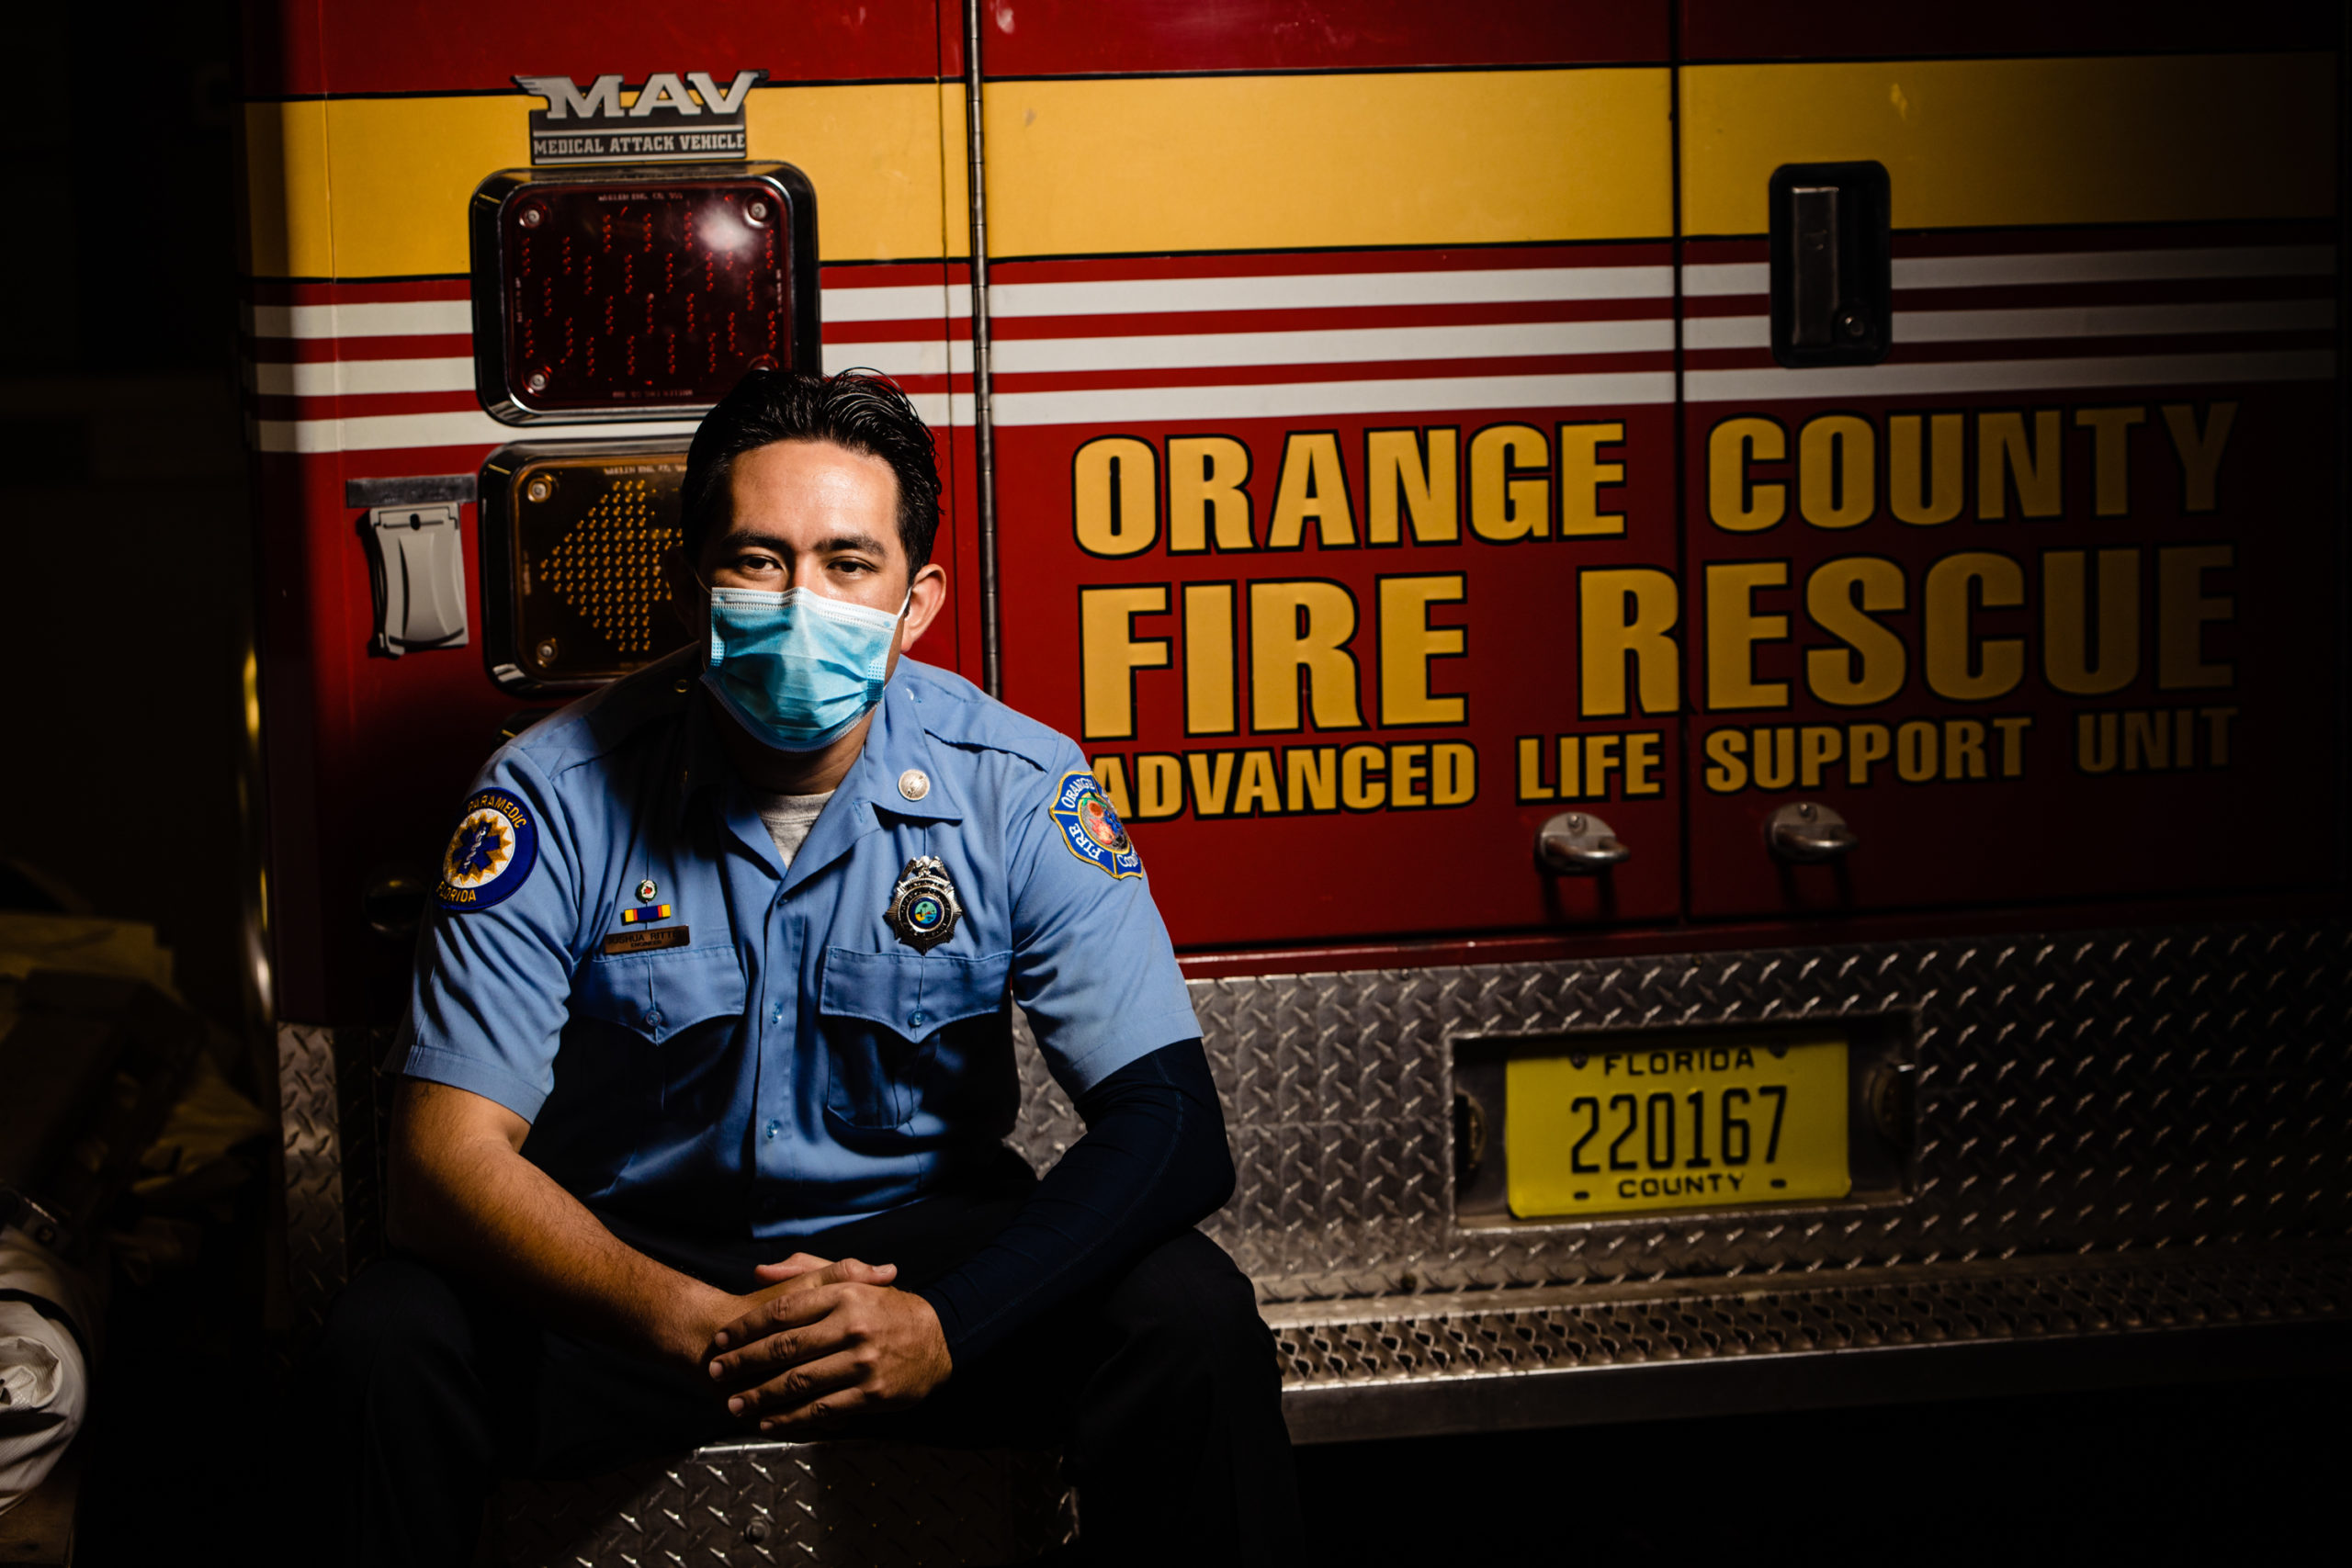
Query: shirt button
[(652, 1019), (776, 1131), (917, 1020)]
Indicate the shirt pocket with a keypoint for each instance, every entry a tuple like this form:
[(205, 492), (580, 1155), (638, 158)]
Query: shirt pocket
[(882, 1014), (664, 994)]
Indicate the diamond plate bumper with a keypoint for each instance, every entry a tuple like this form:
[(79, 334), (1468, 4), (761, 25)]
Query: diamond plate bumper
[(2121, 1143), (885, 1504), (1564, 1356)]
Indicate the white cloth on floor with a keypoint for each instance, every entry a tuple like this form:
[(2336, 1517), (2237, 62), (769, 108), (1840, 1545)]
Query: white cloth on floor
[(44, 1376)]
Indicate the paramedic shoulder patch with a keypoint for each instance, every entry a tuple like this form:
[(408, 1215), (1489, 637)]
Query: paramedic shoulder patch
[(1090, 827), (489, 855)]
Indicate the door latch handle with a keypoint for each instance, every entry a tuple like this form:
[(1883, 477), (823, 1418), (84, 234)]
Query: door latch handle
[(1576, 843), (1806, 834), (1815, 298), (1832, 270), (416, 563)]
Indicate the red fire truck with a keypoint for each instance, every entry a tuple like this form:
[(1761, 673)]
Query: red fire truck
[(1720, 623)]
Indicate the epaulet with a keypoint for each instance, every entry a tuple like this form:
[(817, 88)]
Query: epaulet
[(607, 719), (952, 709)]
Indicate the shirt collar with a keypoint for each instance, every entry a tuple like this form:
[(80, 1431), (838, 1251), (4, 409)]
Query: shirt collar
[(896, 748)]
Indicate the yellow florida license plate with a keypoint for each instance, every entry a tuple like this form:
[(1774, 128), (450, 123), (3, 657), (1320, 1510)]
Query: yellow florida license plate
[(1692, 1125)]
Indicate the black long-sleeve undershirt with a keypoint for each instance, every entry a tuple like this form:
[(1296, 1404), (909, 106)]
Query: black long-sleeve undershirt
[(1153, 1161)]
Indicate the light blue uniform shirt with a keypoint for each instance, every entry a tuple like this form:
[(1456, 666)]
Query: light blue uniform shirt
[(794, 1062)]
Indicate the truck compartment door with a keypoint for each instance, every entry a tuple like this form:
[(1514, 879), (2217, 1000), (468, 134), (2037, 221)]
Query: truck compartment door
[(2042, 604), (1333, 393)]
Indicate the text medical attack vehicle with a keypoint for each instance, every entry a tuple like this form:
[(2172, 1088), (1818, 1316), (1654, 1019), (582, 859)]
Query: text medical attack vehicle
[(1719, 623)]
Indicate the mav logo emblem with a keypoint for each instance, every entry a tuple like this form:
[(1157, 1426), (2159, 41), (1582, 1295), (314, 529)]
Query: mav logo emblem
[(675, 118)]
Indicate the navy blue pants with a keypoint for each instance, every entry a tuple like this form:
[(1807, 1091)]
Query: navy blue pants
[(1161, 1388)]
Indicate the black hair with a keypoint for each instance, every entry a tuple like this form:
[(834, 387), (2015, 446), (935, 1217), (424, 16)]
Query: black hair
[(860, 410)]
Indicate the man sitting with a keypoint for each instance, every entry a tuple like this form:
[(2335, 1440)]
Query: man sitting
[(708, 1065)]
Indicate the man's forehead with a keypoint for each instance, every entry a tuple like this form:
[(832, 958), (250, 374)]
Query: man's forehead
[(809, 456), (804, 505)]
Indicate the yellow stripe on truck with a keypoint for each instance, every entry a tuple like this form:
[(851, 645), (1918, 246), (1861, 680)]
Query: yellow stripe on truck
[(286, 232), (875, 154), (377, 187), (1975, 144), (1246, 162)]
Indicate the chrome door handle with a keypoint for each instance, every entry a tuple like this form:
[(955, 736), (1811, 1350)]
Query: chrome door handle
[(1576, 843), (1807, 834)]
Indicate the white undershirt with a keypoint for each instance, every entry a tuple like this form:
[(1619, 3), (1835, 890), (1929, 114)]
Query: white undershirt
[(789, 817)]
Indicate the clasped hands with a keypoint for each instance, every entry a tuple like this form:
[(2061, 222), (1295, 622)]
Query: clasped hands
[(822, 1341)]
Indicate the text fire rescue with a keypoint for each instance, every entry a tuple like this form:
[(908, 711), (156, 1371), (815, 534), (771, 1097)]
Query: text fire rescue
[(2108, 615)]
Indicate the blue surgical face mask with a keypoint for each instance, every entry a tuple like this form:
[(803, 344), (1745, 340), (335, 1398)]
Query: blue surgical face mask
[(797, 669)]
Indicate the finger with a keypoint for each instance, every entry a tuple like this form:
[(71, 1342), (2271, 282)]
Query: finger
[(825, 1410), (848, 1271), (817, 1381), (771, 1354), (787, 1309), (801, 1264), (819, 1415)]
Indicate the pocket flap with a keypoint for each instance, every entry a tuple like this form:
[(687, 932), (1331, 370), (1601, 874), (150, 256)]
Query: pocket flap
[(662, 992), (912, 993)]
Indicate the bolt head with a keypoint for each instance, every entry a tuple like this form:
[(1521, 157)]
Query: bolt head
[(539, 489), (545, 651), (757, 210), (531, 217), (537, 381)]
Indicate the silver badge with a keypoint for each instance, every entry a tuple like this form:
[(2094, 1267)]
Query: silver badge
[(923, 910)]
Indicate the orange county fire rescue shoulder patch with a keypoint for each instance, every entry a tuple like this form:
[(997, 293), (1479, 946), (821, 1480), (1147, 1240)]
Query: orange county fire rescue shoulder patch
[(489, 855), (1090, 828)]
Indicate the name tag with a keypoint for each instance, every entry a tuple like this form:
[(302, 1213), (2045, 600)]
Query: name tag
[(641, 941)]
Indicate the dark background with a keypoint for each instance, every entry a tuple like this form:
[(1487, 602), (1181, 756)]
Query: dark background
[(125, 547), (2231, 1473), (126, 556)]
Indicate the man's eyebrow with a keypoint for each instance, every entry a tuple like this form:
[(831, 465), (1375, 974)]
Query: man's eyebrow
[(865, 543), (745, 538)]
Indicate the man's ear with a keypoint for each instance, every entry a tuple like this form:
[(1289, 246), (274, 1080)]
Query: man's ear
[(926, 596), (688, 600)]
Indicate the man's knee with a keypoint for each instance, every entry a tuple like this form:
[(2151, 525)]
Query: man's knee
[(398, 1314), (1195, 1310)]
